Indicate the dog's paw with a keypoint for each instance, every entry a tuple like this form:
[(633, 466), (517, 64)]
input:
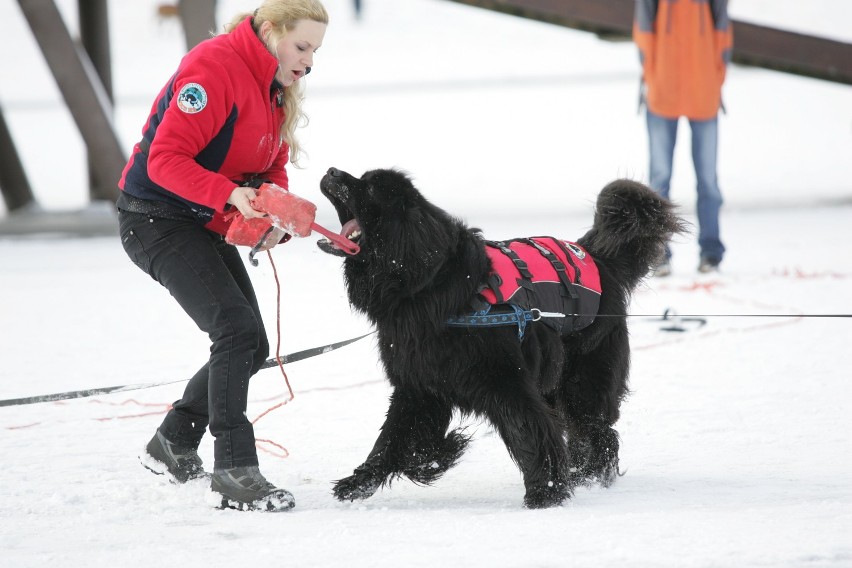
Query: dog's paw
[(607, 474), (426, 473), (602, 466), (595, 460), (429, 465), (553, 494), (356, 486)]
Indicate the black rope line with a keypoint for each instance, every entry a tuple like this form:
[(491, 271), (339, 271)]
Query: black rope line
[(272, 362), (679, 315), (307, 353)]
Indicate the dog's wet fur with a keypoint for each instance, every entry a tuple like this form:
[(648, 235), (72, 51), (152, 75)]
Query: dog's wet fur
[(554, 399)]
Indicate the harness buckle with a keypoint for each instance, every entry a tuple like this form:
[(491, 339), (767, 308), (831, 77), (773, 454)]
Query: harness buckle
[(538, 314)]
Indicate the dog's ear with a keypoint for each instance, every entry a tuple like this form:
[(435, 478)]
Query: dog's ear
[(419, 245)]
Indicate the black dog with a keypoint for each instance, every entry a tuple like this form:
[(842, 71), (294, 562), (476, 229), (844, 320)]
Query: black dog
[(553, 397)]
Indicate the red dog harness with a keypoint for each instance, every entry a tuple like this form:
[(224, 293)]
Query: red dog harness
[(539, 278)]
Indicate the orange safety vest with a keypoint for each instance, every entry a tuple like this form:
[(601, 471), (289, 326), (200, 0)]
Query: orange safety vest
[(684, 46)]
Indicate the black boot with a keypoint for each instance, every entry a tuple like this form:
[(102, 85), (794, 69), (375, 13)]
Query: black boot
[(162, 456), (245, 489)]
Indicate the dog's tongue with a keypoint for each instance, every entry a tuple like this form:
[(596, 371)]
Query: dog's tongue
[(336, 240), (349, 227)]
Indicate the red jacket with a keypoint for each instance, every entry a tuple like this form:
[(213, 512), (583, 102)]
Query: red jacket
[(685, 46), (214, 125)]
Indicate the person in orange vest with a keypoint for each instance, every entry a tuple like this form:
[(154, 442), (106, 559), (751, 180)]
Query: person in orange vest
[(684, 47)]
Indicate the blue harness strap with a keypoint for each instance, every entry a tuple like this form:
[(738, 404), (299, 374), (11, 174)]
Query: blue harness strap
[(483, 318)]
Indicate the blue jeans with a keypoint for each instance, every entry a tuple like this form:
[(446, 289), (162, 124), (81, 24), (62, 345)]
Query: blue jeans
[(662, 135), (209, 280)]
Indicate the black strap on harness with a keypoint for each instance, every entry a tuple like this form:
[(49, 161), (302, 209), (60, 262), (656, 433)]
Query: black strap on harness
[(525, 280), (560, 269), (577, 273), (562, 272)]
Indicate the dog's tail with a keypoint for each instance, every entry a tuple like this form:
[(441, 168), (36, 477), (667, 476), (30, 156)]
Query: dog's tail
[(632, 226)]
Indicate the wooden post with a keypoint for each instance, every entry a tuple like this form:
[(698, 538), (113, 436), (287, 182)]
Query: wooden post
[(94, 33), (13, 180), (198, 18), (82, 90)]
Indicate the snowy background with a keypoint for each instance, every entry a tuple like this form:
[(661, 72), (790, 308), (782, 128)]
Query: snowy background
[(735, 440)]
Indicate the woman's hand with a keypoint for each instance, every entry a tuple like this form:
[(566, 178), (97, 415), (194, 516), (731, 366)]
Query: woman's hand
[(241, 198)]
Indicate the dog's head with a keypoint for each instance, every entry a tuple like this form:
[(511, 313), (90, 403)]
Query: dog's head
[(373, 208), (404, 240)]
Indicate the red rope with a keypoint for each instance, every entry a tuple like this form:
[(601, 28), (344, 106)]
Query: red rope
[(284, 453), (278, 330)]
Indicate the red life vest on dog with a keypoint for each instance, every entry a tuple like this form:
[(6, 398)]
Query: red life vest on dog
[(545, 274)]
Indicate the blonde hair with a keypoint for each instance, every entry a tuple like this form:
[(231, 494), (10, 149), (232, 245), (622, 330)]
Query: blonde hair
[(283, 15)]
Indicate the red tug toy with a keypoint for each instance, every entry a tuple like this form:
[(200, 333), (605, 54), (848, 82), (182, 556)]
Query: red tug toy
[(287, 214)]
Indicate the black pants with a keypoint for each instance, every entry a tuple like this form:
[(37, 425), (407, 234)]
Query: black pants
[(208, 279)]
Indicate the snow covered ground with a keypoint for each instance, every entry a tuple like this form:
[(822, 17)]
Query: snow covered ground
[(735, 439)]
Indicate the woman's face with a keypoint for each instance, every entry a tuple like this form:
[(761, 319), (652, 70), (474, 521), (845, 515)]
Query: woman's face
[(295, 51)]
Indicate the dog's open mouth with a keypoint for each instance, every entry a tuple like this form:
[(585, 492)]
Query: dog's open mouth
[(351, 231), (336, 186)]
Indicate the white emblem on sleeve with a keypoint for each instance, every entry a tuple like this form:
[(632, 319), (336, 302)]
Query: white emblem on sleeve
[(192, 98)]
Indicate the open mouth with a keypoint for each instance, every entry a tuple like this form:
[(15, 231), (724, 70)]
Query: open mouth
[(350, 228), (351, 231), (336, 189)]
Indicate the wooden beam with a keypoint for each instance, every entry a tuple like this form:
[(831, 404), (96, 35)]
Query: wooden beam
[(198, 18), (755, 45), (81, 88), (14, 184), (94, 34), (791, 52)]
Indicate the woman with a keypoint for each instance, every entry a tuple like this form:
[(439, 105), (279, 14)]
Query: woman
[(225, 120)]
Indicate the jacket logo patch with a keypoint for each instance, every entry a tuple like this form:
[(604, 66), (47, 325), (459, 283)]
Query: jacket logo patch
[(192, 98)]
